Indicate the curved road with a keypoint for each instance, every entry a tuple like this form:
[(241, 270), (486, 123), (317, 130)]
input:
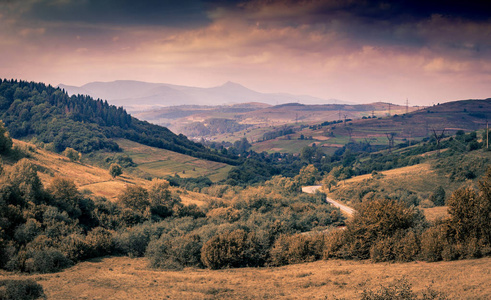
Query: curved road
[(346, 209)]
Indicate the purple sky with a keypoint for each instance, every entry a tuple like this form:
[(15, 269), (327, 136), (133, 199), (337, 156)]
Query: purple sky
[(360, 51)]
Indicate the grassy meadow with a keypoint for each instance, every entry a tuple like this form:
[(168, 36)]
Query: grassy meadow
[(127, 278)]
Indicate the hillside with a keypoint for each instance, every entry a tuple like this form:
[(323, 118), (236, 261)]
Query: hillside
[(93, 180), (161, 163), (446, 118), (291, 127), (196, 121), (137, 95), (49, 116)]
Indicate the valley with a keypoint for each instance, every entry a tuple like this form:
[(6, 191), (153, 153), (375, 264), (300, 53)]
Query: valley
[(208, 215)]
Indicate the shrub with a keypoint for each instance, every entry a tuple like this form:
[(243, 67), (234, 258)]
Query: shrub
[(72, 154), (175, 252), (289, 249), (401, 290), (191, 210), (233, 250), (115, 170), (99, 242), (26, 289), (433, 241), (227, 214), (335, 246), (161, 200), (5, 139), (376, 220), (26, 232), (403, 246), (74, 247), (47, 261), (135, 198), (65, 196), (134, 241), (438, 196)]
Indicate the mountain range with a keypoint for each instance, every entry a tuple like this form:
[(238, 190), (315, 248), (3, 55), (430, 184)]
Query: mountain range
[(138, 95)]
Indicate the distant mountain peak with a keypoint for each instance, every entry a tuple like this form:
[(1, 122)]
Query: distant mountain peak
[(233, 85), (138, 95)]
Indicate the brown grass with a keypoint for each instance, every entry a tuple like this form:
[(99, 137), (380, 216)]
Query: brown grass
[(88, 177), (413, 171), (95, 179), (436, 213), (125, 278)]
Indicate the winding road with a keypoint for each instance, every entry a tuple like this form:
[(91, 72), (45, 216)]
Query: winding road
[(346, 209)]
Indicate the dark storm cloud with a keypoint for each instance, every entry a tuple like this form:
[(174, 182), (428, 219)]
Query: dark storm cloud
[(183, 13), (450, 25), (393, 11)]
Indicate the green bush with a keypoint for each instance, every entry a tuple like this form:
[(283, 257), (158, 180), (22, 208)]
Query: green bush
[(438, 197), (290, 249), (115, 170), (233, 250), (99, 242), (134, 241), (74, 247), (175, 252), (47, 261), (403, 246), (135, 198), (26, 289), (5, 139), (375, 221), (433, 241)]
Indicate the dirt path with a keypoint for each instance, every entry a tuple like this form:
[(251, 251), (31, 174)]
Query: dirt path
[(346, 209)]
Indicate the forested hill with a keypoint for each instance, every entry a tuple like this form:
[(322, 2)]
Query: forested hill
[(48, 114)]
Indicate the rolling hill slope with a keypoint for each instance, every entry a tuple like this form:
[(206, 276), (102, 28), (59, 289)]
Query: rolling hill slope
[(48, 115)]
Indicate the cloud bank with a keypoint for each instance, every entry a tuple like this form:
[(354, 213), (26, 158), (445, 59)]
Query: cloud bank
[(362, 51)]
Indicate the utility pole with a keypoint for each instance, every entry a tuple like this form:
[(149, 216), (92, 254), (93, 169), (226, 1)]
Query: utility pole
[(373, 113), (345, 119), (407, 105)]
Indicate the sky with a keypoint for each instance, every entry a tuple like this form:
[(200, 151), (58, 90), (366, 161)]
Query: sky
[(428, 52)]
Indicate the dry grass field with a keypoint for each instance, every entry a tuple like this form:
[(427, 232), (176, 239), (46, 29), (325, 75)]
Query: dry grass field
[(419, 170), (86, 177), (91, 178), (127, 278)]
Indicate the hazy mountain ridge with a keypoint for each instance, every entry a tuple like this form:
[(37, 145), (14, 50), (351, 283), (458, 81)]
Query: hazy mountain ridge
[(138, 95)]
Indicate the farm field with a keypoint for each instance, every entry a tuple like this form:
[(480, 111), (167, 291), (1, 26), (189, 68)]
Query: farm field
[(159, 162), (130, 278)]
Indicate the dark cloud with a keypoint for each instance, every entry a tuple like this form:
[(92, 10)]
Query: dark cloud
[(183, 13)]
